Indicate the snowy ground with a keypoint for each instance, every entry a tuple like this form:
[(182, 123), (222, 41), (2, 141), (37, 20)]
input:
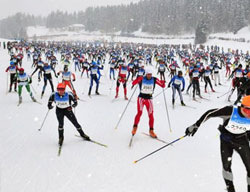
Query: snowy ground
[(29, 160)]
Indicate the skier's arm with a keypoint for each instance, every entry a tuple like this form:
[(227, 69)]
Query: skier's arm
[(232, 74), (161, 83), (171, 81), (222, 112), (51, 100), (136, 81), (72, 99), (34, 71), (53, 69), (101, 68), (183, 83), (7, 69)]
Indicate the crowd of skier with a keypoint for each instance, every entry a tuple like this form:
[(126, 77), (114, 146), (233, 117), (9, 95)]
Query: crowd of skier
[(179, 67)]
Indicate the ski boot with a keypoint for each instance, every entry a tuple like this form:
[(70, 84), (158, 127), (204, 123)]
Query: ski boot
[(86, 137), (134, 130), (213, 90), (182, 103), (60, 142), (89, 91), (33, 98), (230, 186), (83, 135), (42, 95), (125, 97), (205, 90), (152, 133), (20, 99)]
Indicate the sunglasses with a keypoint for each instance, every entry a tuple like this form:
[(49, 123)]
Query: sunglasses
[(246, 110)]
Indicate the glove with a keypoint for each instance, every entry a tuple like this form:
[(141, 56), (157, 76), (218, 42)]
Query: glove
[(50, 107), (30, 81), (74, 79), (168, 85), (69, 108), (182, 90), (74, 105), (132, 86), (191, 130)]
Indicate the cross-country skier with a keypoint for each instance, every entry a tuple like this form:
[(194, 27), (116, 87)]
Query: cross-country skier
[(122, 78), (12, 69), (147, 86), (24, 80), (207, 74), (64, 103), (48, 77), (93, 77), (234, 136), (176, 82), (66, 79)]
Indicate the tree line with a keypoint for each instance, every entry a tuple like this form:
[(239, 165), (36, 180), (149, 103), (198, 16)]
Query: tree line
[(153, 16)]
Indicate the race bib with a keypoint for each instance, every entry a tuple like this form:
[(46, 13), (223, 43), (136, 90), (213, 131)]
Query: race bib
[(195, 74), (177, 81), (238, 124), (94, 71)]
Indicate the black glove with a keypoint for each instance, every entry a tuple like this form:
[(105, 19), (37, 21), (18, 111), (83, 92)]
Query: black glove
[(182, 90), (168, 85), (74, 79), (191, 130), (74, 105), (30, 80), (50, 107)]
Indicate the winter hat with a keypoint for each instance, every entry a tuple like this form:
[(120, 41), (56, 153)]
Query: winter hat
[(246, 101), (148, 71)]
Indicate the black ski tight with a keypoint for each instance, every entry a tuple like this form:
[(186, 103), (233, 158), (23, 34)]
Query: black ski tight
[(227, 148), (207, 80), (196, 87), (60, 113)]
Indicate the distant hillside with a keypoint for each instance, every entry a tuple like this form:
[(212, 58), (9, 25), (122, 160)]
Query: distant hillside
[(152, 16)]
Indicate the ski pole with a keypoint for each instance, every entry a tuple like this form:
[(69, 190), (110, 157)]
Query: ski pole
[(160, 92), (110, 89), (44, 120), (170, 129), (159, 149), (7, 82), (224, 93), (125, 108), (33, 89)]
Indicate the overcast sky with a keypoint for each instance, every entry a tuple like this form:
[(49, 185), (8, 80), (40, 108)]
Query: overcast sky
[(43, 7)]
